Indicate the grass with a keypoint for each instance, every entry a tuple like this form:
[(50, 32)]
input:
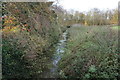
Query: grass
[(116, 27), (91, 52)]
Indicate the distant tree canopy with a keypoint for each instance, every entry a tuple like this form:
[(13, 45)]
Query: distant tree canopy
[(92, 17)]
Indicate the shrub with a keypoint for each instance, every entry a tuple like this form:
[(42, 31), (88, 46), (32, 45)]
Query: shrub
[(13, 64)]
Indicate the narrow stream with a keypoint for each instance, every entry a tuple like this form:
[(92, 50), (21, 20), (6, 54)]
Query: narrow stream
[(57, 56), (59, 50)]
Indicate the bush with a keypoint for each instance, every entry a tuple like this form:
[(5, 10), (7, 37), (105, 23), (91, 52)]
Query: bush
[(27, 55), (13, 64), (29, 35)]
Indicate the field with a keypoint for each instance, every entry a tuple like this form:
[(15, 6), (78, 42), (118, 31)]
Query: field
[(91, 52)]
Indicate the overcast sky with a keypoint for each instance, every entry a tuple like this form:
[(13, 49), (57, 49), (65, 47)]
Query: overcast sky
[(85, 5)]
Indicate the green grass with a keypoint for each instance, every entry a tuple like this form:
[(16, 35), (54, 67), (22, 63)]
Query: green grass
[(116, 27), (91, 52)]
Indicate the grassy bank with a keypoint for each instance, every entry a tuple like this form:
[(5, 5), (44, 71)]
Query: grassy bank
[(91, 52)]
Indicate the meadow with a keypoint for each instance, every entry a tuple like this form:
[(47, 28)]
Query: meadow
[(91, 52)]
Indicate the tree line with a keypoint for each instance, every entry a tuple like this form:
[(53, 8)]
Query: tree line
[(93, 17)]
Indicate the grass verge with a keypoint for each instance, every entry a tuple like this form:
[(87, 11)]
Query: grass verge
[(91, 52)]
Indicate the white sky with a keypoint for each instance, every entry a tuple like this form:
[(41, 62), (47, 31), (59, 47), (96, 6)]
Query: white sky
[(85, 5)]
